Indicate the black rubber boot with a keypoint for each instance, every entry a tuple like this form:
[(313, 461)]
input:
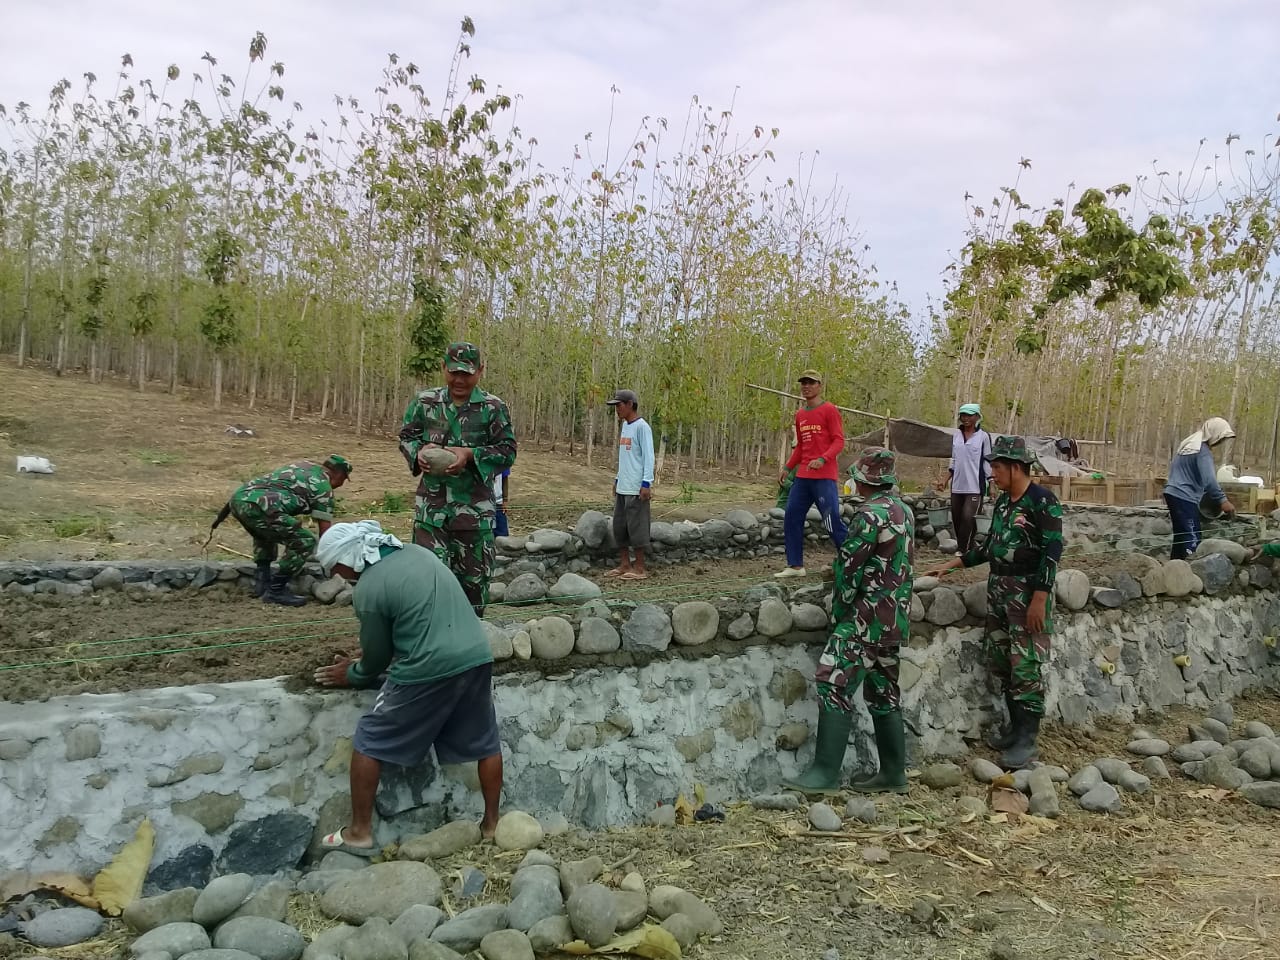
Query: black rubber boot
[(823, 775), (1002, 738), (1026, 729), (261, 579), (891, 744), (278, 592)]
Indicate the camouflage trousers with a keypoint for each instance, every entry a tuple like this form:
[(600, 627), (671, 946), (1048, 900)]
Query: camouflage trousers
[(468, 553), (784, 491), (271, 529), (848, 662), (1015, 655)]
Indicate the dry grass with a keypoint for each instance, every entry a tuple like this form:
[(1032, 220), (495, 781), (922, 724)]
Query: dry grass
[(141, 475)]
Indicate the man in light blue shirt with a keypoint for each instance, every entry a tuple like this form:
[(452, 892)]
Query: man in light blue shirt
[(967, 474), (632, 488)]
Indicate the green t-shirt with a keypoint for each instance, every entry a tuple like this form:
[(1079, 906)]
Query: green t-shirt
[(415, 619)]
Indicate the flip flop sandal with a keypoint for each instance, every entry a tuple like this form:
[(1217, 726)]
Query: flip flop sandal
[(634, 576), (612, 573), (335, 841)]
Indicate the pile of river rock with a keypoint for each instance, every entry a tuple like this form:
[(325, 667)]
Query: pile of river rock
[(391, 910)]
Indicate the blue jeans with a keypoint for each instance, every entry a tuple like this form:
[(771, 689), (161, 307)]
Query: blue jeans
[(1185, 517), (805, 493), (500, 528)]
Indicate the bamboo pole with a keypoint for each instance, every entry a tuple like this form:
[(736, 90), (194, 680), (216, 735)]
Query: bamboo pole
[(861, 413)]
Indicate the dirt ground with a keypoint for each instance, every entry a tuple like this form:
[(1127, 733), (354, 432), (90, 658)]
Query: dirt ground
[(142, 475)]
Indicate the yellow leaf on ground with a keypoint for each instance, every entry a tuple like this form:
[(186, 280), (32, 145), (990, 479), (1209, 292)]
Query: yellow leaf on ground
[(1210, 793), (70, 886), (648, 941), (59, 881), (684, 810), (120, 882)]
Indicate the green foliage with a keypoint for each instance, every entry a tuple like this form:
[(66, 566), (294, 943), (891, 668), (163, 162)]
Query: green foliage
[(158, 458), (69, 528), (429, 333), (392, 503), (220, 316), (142, 318)]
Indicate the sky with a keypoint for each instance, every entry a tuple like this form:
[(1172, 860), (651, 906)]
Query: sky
[(906, 107)]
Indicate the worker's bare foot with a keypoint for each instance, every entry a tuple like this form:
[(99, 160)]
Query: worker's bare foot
[(488, 828)]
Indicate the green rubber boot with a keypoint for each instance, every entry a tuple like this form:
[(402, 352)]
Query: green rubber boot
[(891, 744), (1024, 749), (261, 579), (1003, 739), (823, 775)]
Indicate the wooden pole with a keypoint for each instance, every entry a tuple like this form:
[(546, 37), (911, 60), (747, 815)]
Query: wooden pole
[(861, 413)]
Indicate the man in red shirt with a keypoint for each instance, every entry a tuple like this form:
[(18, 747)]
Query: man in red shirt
[(820, 439)]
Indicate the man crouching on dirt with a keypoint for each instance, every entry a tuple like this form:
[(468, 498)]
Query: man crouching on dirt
[(418, 625)]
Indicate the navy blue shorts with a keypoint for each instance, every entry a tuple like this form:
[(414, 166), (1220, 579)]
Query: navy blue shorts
[(455, 715)]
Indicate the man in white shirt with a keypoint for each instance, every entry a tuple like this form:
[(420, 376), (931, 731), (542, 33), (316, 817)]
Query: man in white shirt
[(632, 488), (968, 474)]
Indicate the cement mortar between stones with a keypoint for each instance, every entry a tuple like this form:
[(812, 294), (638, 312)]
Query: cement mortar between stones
[(595, 741)]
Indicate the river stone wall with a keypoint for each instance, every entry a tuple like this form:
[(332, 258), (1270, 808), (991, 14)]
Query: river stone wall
[(604, 712), (548, 554)]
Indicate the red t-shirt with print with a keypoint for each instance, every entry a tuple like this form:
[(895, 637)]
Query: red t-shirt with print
[(821, 434)]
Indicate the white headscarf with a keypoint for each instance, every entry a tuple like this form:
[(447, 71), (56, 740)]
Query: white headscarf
[(353, 545), (1213, 431)]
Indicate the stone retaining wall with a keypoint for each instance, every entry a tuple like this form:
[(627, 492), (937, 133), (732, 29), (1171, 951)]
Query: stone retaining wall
[(547, 554), (615, 709)]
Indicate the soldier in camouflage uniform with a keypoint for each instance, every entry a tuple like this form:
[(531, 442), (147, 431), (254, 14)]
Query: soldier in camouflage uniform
[(1023, 548), (870, 607), (455, 507), (271, 509)]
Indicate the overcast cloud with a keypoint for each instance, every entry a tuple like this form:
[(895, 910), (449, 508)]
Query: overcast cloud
[(906, 106)]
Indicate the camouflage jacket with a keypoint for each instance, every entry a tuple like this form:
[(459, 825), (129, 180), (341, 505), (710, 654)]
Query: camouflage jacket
[(482, 424), (872, 595), (299, 488), (1025, 538)]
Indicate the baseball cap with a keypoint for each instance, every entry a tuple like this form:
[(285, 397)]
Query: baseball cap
[(971, 410), (462, 356), (341, 464), (809, 375), (623, 396)]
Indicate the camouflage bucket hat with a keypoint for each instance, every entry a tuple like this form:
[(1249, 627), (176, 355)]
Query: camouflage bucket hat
[(462, 356), (341, 464), (875, 468), (1012, 448)]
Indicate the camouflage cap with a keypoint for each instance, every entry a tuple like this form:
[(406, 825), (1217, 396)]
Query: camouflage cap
[(875, 468), (341, 464), (1012, 448), (809, 374), (463, 357)]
